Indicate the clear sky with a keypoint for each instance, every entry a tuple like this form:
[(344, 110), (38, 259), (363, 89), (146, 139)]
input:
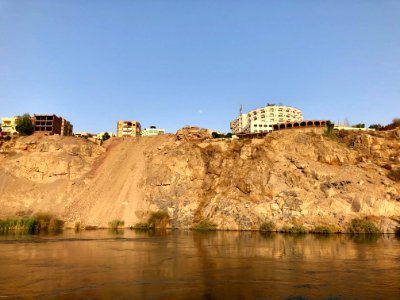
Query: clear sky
[(176, 63)]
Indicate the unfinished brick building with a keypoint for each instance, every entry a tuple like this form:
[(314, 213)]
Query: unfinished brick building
[(51, 125)]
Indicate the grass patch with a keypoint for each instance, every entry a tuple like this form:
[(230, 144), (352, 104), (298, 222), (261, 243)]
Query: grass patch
[(204, 225), (141, 226), (296, 229), (159, 219), (394, 174), (39, 223), (77, 226), (322, 229), (90, 227), (115, 224), (362, 226), (268, 226)]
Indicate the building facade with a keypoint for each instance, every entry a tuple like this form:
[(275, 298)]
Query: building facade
[(9, 126), (51, 125), (66, 128), (128, 128), (263, 119), (152, 130)]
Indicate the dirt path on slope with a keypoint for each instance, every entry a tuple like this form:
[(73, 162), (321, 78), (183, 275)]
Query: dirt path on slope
[(112, 191)]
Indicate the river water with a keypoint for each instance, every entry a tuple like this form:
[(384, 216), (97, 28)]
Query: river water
[(191, 265)]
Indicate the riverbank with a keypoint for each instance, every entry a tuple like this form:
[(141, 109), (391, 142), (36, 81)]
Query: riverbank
[(290, 178)]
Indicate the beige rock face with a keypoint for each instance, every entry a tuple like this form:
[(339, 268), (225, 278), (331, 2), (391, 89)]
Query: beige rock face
[(289, 177)]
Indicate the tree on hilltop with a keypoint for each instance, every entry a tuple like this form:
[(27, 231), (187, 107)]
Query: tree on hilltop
[(24, 125), (105, 136), (375, 126)]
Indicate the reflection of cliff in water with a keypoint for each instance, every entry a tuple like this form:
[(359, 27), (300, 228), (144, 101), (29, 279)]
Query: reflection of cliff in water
[(181, 265)]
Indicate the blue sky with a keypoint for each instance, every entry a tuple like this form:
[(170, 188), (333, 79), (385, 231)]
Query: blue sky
[(176, 63)]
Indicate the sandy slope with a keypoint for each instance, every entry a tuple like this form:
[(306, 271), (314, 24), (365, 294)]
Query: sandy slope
[(113, 189)]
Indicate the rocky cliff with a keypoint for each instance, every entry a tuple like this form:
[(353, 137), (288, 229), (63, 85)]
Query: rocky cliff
[(289, 177)]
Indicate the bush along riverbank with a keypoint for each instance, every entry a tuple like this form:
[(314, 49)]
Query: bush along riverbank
[(39, 223), (356, 226)]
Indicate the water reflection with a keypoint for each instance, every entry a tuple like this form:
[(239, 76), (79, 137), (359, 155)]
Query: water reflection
[(196, 265)]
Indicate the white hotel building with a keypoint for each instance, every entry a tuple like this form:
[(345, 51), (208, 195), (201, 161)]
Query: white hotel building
[(263, 119)]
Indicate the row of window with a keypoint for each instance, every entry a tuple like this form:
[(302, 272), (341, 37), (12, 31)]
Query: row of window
[(271, 116), (273, 110), (261, 125)]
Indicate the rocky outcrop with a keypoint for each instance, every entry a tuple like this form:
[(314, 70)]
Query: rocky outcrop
[(47, 159), (289, 177), (193, 133)]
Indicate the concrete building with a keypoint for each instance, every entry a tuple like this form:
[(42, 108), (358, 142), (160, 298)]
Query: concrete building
[(51, 125), (66, 128), (263, 119), (128, 128), (83, 134), (152, 130), (9, 126)]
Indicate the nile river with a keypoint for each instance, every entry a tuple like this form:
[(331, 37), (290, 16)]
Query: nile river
[(191, 265)]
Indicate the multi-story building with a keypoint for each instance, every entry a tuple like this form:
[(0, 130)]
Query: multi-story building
[(66, 128), (128, 128), (51, 125), (152, 130), (9, 126), (263, 119)]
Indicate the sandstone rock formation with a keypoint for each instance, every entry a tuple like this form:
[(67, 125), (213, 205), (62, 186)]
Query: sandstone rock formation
[(193, 133), (289, 177)]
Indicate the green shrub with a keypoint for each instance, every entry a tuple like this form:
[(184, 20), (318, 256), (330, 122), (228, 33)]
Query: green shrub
[(296, 229), (394, 174), (78, 226), (141, 226), (204, 225), (48, 223), (159, 219), (362, 226), (38, 223), (329, 130), (268, 226), (90, 227), (115, 224), (322, 229), (375, 126)]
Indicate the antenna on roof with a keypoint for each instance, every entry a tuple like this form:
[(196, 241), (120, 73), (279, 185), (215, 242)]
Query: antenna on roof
[(241, 110)]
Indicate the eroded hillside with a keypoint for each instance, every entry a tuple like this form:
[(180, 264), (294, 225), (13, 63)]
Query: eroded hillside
[(289, 177)]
